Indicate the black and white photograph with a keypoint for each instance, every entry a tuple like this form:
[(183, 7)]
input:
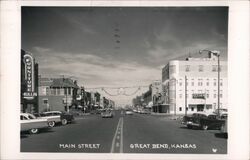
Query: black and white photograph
[(124, 79), (131, 80)]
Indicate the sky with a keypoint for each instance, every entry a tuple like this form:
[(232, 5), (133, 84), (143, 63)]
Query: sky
[(119, 46)]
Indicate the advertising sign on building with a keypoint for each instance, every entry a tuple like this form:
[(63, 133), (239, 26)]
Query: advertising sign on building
[(29, 77), (198, 96)]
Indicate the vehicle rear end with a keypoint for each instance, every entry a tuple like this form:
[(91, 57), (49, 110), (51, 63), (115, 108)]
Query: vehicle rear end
[(66, 118), (187, 121)]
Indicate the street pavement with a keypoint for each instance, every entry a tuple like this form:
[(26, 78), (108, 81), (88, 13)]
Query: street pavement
[(137, 133)]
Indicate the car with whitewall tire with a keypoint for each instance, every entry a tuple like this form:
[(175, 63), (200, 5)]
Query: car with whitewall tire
[(203, 120), (31, 123), (60, 117)]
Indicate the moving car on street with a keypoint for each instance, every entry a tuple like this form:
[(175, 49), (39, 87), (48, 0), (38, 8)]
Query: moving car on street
[(128, 112), (203, 121), (107, 114), (60, 117), (32, 124)]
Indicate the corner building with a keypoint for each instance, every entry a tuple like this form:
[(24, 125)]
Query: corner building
[(198, 78)]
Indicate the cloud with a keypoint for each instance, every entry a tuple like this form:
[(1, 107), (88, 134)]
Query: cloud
[(92, 70)]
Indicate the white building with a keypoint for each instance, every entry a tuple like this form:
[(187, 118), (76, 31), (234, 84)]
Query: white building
[(201, 85)]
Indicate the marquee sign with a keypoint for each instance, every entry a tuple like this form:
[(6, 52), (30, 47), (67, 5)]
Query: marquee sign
[(29, 77), (198, 96)]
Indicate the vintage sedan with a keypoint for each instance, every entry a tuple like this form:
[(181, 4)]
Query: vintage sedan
[(53, 119), (107, 114), (32, 124), (203, 121), (60, 116), (128, 112)]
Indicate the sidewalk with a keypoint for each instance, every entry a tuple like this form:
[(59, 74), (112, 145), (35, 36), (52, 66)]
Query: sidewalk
[(167, 115)]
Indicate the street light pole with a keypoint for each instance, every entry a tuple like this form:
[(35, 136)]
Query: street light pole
[(216, 53), (185, 95)]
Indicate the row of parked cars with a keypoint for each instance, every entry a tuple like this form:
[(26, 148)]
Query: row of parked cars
[(205, 121), (35, 122)]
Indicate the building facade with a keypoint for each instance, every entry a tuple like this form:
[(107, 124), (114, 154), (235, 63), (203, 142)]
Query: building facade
[(192, 85), (57, 94)]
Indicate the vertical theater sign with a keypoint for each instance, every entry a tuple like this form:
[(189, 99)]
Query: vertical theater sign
[(29, 83), (29, 77)]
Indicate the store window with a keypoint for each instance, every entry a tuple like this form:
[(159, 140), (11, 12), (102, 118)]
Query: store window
[(47, 90), (45, 101), (214, 68), (58, 91), (69, 91), (65, 91), (187, 68), (180, 95), (201, 68)]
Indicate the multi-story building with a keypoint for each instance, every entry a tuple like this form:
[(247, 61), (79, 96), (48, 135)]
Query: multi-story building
[(57, 93), (192, 85)]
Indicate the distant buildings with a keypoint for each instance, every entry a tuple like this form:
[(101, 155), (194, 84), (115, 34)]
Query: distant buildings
[(64, 94), (198, 79)]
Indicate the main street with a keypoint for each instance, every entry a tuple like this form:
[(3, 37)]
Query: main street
[(137, 133)]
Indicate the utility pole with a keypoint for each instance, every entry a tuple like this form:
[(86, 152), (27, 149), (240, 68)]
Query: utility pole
[(218, 55), (185, 95)]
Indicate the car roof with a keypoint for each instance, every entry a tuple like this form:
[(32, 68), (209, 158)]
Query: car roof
[(205, 113), (26, 114), (53, 112)]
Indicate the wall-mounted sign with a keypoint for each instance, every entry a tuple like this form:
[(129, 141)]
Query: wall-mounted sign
[(198, 96), (29, 77)]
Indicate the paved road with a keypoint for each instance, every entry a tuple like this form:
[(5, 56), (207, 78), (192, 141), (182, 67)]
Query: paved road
[(124, 134)]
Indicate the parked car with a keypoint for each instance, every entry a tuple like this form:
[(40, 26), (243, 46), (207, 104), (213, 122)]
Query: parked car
[(221, 111), (203, 120), (144, 111), (54, 119), (224, 127), (107, 114), (62, 117), (32, 124)]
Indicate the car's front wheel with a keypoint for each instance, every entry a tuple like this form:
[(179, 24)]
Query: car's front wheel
[(51, 123), (204, 127), (64, 121), (34, 131), (189, 127)]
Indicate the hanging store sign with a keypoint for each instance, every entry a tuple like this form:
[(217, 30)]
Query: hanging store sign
[(29, 77), (198, 96)]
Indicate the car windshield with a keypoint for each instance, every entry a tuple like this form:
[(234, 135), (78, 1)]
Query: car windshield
[(30, 116)]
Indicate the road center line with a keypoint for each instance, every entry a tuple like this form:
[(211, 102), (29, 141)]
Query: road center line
[(114, 138), (121, 140)]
